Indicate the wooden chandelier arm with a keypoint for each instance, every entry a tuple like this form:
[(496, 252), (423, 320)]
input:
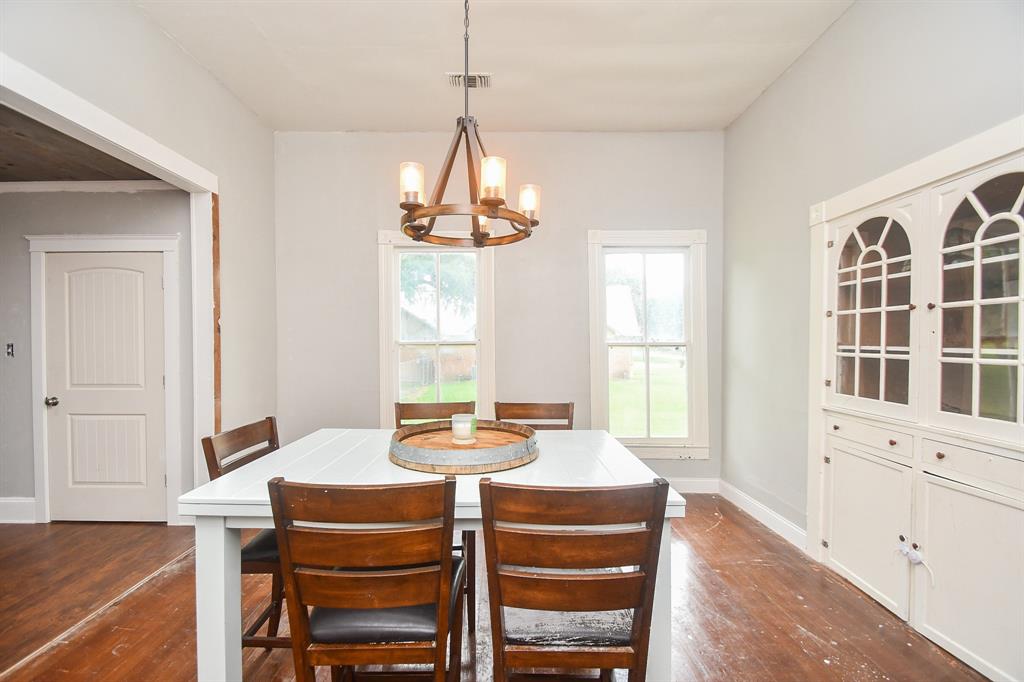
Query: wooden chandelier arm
[(437, 195)]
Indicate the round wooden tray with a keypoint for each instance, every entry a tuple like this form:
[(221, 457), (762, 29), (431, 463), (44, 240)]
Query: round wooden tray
[(428, 447)]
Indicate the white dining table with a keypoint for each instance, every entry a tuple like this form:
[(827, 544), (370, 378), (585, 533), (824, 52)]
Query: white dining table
[(237, 500)]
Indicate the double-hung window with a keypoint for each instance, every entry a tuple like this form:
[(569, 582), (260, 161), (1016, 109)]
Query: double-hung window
[(648, 340), (436, 325)]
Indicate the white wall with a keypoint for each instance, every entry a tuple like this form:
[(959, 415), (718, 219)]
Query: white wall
[(110, 54), (335, 190), (161, 212), (887, 84)]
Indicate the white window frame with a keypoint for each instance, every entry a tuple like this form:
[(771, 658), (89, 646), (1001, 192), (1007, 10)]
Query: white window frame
[(696, 444), (390, 244)]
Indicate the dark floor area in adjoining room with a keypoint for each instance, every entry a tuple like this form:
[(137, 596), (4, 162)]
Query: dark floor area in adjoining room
[(746, 606)]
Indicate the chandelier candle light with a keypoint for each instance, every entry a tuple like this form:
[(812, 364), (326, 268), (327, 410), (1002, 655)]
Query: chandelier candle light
[(487, 188)]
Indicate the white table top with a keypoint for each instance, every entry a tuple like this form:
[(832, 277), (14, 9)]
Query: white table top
[(360, 456)]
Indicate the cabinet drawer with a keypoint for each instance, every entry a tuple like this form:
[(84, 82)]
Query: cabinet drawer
[(877, 437), (946, 459)]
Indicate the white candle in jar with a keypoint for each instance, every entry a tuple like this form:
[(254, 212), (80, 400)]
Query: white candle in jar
[(462, 428)]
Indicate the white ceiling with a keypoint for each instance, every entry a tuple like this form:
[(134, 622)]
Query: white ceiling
[(557, 64)]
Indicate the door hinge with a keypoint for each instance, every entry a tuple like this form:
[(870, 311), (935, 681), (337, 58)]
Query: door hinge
[(165, 480), (828, 382), (831, 243), (824, 543), (828, 313), (828, 460), (163, 380)]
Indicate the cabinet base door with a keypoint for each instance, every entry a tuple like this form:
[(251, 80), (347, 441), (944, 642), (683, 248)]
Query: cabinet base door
[(868, 505), (972, 603)]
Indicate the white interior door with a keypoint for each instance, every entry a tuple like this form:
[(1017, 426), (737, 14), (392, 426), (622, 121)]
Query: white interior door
[(868, 507), (105, 393)]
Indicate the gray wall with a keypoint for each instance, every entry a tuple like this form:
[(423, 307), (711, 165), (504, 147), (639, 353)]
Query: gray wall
[(336, 190), (887, 84), (110, 54), (158, 212)]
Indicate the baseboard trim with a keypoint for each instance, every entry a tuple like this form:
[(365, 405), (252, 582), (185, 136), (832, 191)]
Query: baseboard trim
[(17, 510), (694, 485), (779, 524)]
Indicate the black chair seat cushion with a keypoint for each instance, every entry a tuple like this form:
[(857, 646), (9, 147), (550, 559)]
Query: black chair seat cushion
[(547, 628), (361, 626), (263, 547)]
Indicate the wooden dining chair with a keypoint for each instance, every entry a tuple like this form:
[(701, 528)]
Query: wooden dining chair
[(535, 564), (411, 412), (522, 413), (226, 452), (370, 575)]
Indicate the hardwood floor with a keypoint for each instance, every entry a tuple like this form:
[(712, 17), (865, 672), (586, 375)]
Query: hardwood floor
[(55, 575), (746, 606)]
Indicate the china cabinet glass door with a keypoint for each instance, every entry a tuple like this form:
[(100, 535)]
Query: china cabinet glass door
[(872, 313), (980, 368)]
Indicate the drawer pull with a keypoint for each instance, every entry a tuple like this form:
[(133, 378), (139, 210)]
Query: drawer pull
[(940, 455), (892, 442), (835, 427)]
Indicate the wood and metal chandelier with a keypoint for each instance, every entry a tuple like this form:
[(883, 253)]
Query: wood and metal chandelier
[(486, 176)]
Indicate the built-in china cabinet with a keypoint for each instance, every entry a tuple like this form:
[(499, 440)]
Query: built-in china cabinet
[(916, 483)]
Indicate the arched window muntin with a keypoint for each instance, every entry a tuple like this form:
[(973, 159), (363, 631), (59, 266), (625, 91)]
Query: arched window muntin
[(873, 312), (981, 361)]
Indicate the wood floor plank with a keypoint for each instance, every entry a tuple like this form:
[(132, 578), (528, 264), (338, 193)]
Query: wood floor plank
[(55, 575), (746, 606)]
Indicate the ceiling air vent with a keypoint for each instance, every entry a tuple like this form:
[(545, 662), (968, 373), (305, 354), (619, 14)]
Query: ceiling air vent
[(475, 80)]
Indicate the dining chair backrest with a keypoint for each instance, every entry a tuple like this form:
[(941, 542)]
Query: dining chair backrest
[(405, 412), (523, 413), (538, 558), (364, 547), (232, 449)]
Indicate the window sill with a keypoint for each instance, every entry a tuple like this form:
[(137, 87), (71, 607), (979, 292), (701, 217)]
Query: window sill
[(648, 450)]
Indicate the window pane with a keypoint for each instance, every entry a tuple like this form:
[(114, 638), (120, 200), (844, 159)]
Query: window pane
[(669, 416), (997, 392), (999, 194), (848, 296), (958, 284), (898, 292), (958, 328), (870, 370), (627, 392), (963, 225), (897, 329), (870, 329), (624, 316), (1000, 279), (458, 374), (956, 388), (417, 374), (845, 327), (897, 381), (896, 242), (666, 296), (844, 374), (871, 294), (458, 296), (999, 325), (871, 230), (418, 297), (851, 252)]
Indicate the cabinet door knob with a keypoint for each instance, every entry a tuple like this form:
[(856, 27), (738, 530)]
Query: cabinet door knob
[(931, 306), (835, 427), (892, 442), (915, 545), (940, 455)]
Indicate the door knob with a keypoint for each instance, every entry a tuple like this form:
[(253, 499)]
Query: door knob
[(52, 401)]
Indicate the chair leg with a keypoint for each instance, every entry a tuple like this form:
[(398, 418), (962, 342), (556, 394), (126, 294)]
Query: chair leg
[(337, 673), (469, 549), (455, 646), (276, 598)]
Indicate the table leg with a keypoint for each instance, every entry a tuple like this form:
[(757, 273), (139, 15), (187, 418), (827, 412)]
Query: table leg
[(659, 657), (218, 600)]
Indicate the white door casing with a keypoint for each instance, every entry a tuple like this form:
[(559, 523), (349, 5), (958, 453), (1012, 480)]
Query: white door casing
[(105, 358)]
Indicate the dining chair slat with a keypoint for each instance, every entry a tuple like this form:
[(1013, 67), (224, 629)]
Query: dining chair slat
[(570, 506), (226, 451), (365, 548), (368, 589), (405, 412), (525, 412), (554, 592), (572, 549), (362, 504)]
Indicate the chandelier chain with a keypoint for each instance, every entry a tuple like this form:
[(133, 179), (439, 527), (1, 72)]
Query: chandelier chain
[(465, 78)]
